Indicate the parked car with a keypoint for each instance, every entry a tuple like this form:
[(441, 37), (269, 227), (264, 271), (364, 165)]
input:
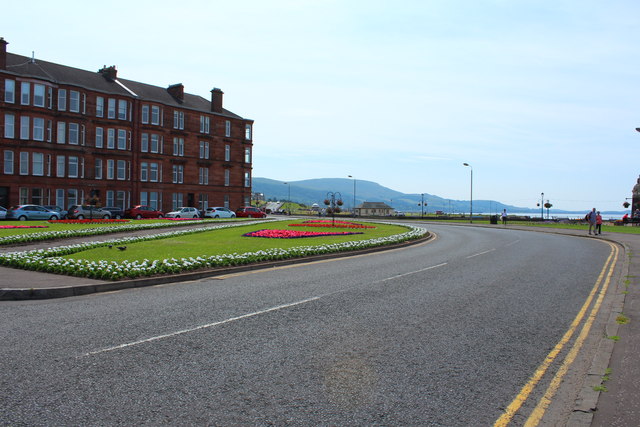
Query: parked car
[(3, 212), (24, 212), (184, 212), (115, 212), (87, 212), (219, 212), (143, 212), (62, 212), (250, 212)]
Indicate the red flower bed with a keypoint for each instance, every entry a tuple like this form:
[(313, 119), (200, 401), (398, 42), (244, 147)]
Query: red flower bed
[(294, 234), (324, 223), (87, 221), (23, 226)]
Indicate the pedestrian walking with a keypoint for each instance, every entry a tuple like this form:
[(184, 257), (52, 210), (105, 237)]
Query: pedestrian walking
[(598, 223), (591, 218), (504, 217)]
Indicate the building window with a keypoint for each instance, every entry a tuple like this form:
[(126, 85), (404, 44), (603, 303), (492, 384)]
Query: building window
[(111, 139), (227, 153), (144, 171), (247, 132), (111, 109), (155, 115), (178, 174), (62, 133), (9, 126), (8, 162), (176, 200), (49, 132), (24, 127), (203, 201), (247, 155), (247, 179), (99, 137), (204, 149), (38, 95), (72, 196), (205, 124), (203, 176), (24, 163), (10, 91), (74, 101), (227, 128), (226, 201), (38, 129), (98, 169), (122, 109), (178, 119), (62, 99), (153, 172), (99, 106), (145, 114), (74, 133), (60, 199), (178, 146), (155, 144), (23, 196), (110, 169), (61, 162), (122, 139), (144, 143), (227, 180), (73, 167), (154, 200), (25, 93), (37, 165), (120, 199), (122, 170)]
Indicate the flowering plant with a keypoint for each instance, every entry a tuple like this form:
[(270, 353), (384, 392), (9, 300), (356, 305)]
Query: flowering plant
[(50, 260), (86, 221), (338, 224), (23, 226), (294, 234)]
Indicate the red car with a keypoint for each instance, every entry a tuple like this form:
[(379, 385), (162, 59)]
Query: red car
[(250, 212), (142, 212)]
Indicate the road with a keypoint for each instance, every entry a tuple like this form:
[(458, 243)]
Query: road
[(443, 333)]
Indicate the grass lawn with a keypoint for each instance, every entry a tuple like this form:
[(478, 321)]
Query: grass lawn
[(230, 240)]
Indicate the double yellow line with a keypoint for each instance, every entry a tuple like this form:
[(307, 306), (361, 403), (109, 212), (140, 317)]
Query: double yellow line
[(604, 279)]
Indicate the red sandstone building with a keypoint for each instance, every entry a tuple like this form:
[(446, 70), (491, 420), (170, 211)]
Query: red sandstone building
[(68, 135)]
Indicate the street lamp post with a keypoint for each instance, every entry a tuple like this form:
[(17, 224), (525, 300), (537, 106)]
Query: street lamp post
[(471, 198), (542, 206), (289, 198), (354, 195), (422, 206)]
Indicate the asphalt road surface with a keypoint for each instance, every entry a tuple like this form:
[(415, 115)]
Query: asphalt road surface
[(443, 333)]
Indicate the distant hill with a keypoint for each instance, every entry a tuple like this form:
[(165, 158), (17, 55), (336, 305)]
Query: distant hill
[(312, 191)]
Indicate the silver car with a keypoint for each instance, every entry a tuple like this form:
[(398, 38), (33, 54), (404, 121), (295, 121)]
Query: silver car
[(25, 212), (88, 212)]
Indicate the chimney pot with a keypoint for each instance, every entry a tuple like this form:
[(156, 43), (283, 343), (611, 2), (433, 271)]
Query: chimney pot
[(109, 73)]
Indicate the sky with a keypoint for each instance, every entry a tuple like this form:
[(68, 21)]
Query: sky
[(538, 96)]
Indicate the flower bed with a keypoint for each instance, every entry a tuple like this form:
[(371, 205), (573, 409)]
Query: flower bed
[(87, 221), (294, 234), (336, 224), (49, 260), (4, 227)]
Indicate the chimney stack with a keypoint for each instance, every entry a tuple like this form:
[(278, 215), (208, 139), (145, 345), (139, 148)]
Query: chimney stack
[(109, 73), (3, 53), (177, 91), (216, 100)]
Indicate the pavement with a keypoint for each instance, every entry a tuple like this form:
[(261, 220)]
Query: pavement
[(619, 405)]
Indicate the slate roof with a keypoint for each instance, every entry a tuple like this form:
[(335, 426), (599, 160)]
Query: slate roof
[(62, 74), (374, 205)]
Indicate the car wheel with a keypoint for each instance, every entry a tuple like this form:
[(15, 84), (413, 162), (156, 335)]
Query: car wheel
[(138, 216), (118, 217), (217, 216), (177, 216), (80, 217), (233, 215), (53, 218), (160, 216), (106, 217), (22, 218)]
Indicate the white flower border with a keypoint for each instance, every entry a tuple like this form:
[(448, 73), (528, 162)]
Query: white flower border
[(49, 260)]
